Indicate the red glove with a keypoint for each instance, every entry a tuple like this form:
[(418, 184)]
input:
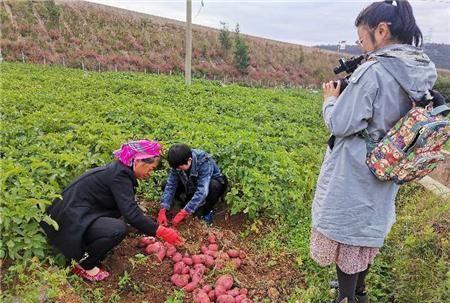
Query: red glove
[(169, 235), (162, 218), (182, 214)]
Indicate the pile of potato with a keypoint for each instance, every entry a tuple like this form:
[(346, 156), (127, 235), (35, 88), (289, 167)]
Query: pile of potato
[(188, 271)]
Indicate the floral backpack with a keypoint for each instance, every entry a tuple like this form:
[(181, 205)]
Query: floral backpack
[(412, 148)]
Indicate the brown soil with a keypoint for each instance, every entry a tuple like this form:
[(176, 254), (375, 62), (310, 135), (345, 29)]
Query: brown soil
[(265, 275)]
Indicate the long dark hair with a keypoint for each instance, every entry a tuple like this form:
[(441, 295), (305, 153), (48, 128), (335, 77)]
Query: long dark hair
[(400, 18)]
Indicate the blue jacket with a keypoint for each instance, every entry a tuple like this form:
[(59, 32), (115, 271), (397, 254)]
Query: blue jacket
[(203, 169)]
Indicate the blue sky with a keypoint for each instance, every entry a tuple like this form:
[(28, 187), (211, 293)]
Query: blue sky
[(300, 22)]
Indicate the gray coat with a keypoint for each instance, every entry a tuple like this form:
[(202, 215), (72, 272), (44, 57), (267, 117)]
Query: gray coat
[(350, 205)]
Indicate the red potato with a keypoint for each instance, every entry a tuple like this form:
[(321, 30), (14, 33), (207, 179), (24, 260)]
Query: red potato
[(219, 290), (246, 300), (211, 253), (171, 249), (226, 281), (233, 292), (209, 261), (161, 253), (201, 297), (225, 299), (152, 248), (207, 288), (213, 247), (190, 286), (239, 298), (185, 270), (178, 267), (196, 277), (200, 267), (198, 259), (212, 295), (144, 241), (212, 239), (187, 261), (177, 257), (204, 249), (197, 272), (180, 280), (236, 262), (224, 256), (243, 291), (242, 255), (233, 253)]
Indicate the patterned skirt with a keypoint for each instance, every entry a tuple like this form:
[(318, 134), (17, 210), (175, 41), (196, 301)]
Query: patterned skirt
[(350, 259)]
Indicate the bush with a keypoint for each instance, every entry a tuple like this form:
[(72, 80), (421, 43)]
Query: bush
[(241, 52), (224, 36)]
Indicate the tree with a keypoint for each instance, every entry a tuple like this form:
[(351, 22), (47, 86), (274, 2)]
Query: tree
[(224, 36), (241, 51)]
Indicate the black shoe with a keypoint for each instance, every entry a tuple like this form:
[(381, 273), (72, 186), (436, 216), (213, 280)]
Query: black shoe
[(362, 298)]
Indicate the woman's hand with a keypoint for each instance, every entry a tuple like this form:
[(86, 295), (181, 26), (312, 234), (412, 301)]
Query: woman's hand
[(162, 218), (169, 235), (329, 90)]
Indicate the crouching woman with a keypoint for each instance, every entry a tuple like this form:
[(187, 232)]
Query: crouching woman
[(89, 213)]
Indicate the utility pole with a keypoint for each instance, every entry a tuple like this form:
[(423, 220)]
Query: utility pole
[(187, 63)]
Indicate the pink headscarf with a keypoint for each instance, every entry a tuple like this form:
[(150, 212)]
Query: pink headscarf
[(135, 150)]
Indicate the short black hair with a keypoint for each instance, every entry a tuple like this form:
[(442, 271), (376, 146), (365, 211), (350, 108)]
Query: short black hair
[(179, 154), (402, 25)]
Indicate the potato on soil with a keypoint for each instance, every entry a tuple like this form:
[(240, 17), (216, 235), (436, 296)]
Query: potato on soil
[(152, 248), (233, 253), (225, 299), (190, 286), (213, 247), (212, 239), (180, 280), (177, 257), (226, 281), (144, 241)]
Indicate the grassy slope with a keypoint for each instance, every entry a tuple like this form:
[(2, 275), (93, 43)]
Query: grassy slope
[(81, 31), (58, 122)]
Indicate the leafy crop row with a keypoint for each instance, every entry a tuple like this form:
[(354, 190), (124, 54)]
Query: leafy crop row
[(57, 122)]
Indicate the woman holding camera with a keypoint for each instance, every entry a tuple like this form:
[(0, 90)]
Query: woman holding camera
[(353, 212)]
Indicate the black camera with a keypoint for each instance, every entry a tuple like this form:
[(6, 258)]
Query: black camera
[(349, 67)]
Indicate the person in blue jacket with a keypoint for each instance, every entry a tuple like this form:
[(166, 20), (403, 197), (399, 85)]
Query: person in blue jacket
[(196, 180)]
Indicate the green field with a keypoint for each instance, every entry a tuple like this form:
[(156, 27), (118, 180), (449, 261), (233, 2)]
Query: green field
[(58, 122)]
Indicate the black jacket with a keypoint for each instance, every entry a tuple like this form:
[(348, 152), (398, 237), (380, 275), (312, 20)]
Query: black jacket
[(107, 191)]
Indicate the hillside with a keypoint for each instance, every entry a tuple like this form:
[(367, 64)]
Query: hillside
[(75, 33), (438, 52)]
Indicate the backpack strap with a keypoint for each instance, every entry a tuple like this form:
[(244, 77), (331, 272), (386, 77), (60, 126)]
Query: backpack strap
[(440, 110)]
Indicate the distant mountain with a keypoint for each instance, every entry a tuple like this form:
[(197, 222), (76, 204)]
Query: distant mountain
[(438, 53)]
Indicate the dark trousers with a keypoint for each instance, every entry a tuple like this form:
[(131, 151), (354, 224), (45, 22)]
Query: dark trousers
[(217, 189), (102, 236), (351, 285)]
